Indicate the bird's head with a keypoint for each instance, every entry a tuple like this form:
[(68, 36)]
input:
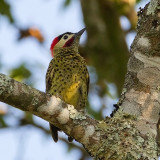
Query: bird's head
[(65, 41)]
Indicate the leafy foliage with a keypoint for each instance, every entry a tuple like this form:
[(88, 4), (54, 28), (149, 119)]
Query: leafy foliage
[(5, 9), (67, 3), (20, 73), (31, 32)]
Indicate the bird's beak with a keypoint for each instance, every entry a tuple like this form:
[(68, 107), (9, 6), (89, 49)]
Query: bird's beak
[(78, 34)]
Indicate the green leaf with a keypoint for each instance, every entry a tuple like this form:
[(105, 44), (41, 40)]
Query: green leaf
[(5, 10), (70, 147), (20, 73), (2, 122), (137, 1), (67, 3), (96, 114)]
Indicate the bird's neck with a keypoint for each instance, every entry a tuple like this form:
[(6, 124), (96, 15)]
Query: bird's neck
[(63, 51)]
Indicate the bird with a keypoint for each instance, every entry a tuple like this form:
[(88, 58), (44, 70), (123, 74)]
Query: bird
[(67, 76)]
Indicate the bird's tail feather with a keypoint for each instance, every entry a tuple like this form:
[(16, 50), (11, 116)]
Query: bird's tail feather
[(54, 132)]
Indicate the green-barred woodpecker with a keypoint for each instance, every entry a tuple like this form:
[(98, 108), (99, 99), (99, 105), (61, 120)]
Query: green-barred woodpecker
[(67, 75)]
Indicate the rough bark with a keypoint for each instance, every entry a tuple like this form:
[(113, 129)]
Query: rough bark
[(100, 138), (132, 133)]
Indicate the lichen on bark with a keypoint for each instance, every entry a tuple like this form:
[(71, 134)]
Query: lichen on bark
[(122, 140)]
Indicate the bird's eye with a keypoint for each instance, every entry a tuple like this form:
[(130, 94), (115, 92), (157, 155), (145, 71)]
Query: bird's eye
[(65, 37)]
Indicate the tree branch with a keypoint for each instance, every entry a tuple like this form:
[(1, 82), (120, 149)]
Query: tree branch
[(54, 110), (98, 137)]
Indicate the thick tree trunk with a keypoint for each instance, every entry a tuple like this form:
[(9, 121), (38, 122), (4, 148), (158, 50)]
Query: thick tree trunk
[(132, 133)]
